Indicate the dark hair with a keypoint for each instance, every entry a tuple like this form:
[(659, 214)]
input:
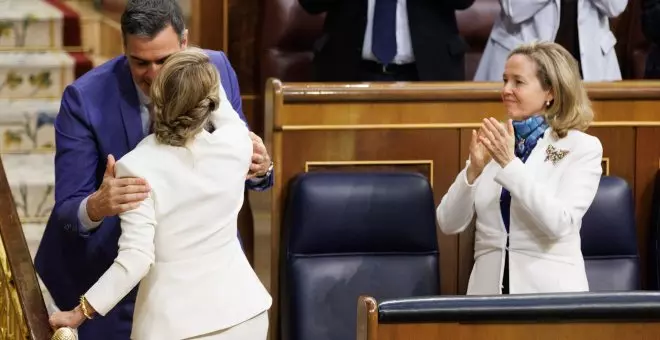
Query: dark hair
[(147, 18)]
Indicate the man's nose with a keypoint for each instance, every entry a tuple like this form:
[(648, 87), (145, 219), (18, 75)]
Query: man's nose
[(152, 71)]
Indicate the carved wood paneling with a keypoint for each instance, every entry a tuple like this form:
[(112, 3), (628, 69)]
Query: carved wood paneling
[(647, 164), (242, 49), (618, 147), (243, 33), (252, 108), (209, 24)]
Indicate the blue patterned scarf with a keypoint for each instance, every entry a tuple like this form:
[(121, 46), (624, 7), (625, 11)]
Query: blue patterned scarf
[(528, 132)]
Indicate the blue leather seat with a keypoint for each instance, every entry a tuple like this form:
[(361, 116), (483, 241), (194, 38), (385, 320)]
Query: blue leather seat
[(654, 238), (609, 238), (639, 306), (351, 234)]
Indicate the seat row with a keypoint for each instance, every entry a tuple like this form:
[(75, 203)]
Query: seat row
[(374, 235)]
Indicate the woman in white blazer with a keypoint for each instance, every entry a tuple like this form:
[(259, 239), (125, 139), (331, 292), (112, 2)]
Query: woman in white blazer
[(181, 243), (581, 26), (529, 181)]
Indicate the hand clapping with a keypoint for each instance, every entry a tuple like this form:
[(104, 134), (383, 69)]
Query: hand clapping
[(499, 141), (479, 157)]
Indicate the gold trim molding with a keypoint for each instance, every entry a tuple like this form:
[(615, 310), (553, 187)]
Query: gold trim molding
[(439, 91), (438, 126), (606, 160)]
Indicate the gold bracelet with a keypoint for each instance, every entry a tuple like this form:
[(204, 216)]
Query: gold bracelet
[(83, 306)]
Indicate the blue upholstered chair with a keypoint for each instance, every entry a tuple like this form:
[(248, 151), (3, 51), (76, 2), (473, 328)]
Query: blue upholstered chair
[(350, 234), (609, 238)]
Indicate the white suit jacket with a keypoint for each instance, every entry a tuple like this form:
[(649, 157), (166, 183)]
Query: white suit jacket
[(182, 241), (524, 21), (548, 202)]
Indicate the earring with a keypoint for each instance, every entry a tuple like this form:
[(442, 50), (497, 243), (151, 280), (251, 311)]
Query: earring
[(547, 103)]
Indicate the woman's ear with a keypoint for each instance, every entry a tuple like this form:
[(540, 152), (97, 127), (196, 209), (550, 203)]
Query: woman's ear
[(549, 96)]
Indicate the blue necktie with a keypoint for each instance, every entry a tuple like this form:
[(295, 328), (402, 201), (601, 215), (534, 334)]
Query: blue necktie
[(384, 31)]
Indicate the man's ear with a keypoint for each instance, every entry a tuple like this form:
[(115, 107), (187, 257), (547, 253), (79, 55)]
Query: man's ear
[(184, 39)]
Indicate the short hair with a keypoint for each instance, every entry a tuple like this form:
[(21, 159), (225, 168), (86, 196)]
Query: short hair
[(147, 18), (558, 72), (184, 94)]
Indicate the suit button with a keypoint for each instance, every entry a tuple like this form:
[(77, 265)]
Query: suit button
[(68, 227)]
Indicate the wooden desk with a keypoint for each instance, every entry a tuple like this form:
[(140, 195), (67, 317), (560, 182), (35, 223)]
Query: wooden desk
[(426, 127), (499, 319)]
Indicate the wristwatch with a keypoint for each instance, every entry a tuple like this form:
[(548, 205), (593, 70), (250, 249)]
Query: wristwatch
[(268, 172)]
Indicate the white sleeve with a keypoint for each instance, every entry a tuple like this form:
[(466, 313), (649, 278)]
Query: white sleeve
[(520, 10), (135, 257), (456, 209)]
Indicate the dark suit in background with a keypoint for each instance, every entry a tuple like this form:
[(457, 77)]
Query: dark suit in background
[(651, 29), (438, 49)]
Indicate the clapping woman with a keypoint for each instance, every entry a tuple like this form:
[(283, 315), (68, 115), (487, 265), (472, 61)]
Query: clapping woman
[(529, 181)]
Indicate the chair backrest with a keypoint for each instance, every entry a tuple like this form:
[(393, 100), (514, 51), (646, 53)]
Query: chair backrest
[(654, 238), (351, 234), (632, 46), (609, 238), (288, 34)]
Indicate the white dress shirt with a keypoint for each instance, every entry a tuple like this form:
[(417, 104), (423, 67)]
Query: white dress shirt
[(404, 51)]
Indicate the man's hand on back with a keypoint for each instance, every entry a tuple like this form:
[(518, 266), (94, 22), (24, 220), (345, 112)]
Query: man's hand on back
[(116, 195), (260, 158)]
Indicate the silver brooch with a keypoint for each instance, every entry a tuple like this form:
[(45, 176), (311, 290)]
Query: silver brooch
[(554, 155)]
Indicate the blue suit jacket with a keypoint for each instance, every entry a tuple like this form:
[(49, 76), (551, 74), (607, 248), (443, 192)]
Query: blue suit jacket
[(99, 115)]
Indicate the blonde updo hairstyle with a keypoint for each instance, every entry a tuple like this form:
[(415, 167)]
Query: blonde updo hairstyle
[(558, 72), (184, 94)]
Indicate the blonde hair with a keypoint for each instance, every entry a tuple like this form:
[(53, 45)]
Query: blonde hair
[(559, 73), (184, 94)]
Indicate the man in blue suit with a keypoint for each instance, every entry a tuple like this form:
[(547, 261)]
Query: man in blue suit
[(104, 115)]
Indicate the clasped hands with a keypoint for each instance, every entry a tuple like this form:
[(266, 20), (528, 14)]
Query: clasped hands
[(494, 140)]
